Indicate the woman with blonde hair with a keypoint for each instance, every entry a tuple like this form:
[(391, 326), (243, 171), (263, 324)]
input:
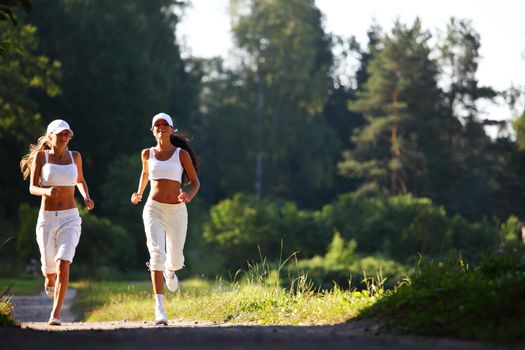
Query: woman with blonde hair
[(166, 167), (53, 173)]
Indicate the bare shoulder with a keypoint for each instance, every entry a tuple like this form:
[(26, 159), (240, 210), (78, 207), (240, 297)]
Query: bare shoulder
[(39, 157), (145, 154), (76, 155), (184, 154)]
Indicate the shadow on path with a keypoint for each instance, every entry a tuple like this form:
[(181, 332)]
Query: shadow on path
[(34, 333)]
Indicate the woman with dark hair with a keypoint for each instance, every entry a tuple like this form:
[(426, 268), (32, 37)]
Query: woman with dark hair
[(54, 172), (166, 166)]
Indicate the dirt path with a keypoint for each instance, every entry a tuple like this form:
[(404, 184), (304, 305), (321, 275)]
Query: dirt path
[(35, 333), (38, 308)]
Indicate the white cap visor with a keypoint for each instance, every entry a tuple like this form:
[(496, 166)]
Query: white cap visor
[(57, 126), (162, 116)]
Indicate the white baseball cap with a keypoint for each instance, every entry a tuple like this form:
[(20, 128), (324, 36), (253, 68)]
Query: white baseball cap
[(57, 126), (163, 116)]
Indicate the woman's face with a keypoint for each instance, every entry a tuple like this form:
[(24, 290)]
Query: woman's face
[(162, 128), (61, 139)]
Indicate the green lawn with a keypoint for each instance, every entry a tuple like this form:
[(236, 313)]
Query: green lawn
[(246, 302), (22, 286)]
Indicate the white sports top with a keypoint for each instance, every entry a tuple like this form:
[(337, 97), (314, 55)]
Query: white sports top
[(59, 174), (170, 169)]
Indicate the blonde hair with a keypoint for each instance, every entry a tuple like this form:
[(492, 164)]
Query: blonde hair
[(43, 143)]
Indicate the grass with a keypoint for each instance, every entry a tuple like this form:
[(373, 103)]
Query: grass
[(451, 298), (6, 312), (22, 286), (254, 300), (18, 286)]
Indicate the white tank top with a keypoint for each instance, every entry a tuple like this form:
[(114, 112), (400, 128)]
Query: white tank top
[(170, 169), (59, 174)]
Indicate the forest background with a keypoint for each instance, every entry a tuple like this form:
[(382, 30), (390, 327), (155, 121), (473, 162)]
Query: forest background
[(344, 173)]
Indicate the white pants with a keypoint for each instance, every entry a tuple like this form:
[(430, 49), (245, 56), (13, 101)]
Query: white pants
[(57, 235), (165, 226)]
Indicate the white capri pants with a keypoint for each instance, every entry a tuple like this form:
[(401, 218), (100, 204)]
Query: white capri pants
[(165, 226), (57, 235)]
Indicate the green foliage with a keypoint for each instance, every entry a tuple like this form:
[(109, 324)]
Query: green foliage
[(104, 245), (339, 252), (26, 247), (9, 11), (121, 65), (286, 77), (399, 102), (22, 286), (250, 301), (244, 227), (6, 312), (454, 299), (511, 232), (402, 226), (342, 266), (519, 127), (24, 73)]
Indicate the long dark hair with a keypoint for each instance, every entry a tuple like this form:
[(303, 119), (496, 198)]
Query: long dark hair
[(182, 140)]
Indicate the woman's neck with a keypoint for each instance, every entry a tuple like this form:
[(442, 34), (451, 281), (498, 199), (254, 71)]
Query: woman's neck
[(164, 144), (58, 151)]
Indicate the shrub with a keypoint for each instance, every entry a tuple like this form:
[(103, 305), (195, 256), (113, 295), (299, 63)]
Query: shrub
[(450, 297), (244, 227), (402, 226), (103, 244), (342, 266)]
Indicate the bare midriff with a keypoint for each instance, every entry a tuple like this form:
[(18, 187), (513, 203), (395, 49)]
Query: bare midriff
[(65, 199), (165, 191)]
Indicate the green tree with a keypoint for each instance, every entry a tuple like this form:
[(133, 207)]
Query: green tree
[(23, 73), (8, 13), (399, 101), (121, 65), (467, 158), (287, 62)]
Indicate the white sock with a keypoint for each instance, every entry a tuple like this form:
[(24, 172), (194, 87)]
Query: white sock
[(159, 299)]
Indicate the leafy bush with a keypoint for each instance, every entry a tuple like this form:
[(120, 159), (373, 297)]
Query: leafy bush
[(402, 226), (104, 245), (483, 302), (342, 266), (510, 232), (244, 227), (26, 246)]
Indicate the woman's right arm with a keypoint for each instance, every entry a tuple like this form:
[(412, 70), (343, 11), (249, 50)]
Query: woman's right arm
[(34, 180), (143, 182)]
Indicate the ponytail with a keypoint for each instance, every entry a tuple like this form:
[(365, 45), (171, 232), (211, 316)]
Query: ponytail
[(182, 140), (27, 160)]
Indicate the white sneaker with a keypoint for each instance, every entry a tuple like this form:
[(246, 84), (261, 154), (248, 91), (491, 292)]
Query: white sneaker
[(160, 315), (50, 291), (172, 282), (54, 322)]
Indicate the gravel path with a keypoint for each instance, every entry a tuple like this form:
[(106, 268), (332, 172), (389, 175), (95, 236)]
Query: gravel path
[(34, 332), (38, 308)]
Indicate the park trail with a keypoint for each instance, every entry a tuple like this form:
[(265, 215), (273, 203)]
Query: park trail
[(32, 312)]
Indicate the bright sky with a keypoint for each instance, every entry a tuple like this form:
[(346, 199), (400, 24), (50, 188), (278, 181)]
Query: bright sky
[(205, 30)]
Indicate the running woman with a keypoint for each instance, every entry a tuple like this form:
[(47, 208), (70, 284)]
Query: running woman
[(166, 166), (53, 173)]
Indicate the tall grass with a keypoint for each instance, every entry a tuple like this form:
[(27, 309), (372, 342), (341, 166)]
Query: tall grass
[(6, 307), (484, 302), (255, 296), (6, 311)]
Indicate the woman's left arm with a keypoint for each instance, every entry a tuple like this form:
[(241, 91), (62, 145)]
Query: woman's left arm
[(187, 164), (81, 182)]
